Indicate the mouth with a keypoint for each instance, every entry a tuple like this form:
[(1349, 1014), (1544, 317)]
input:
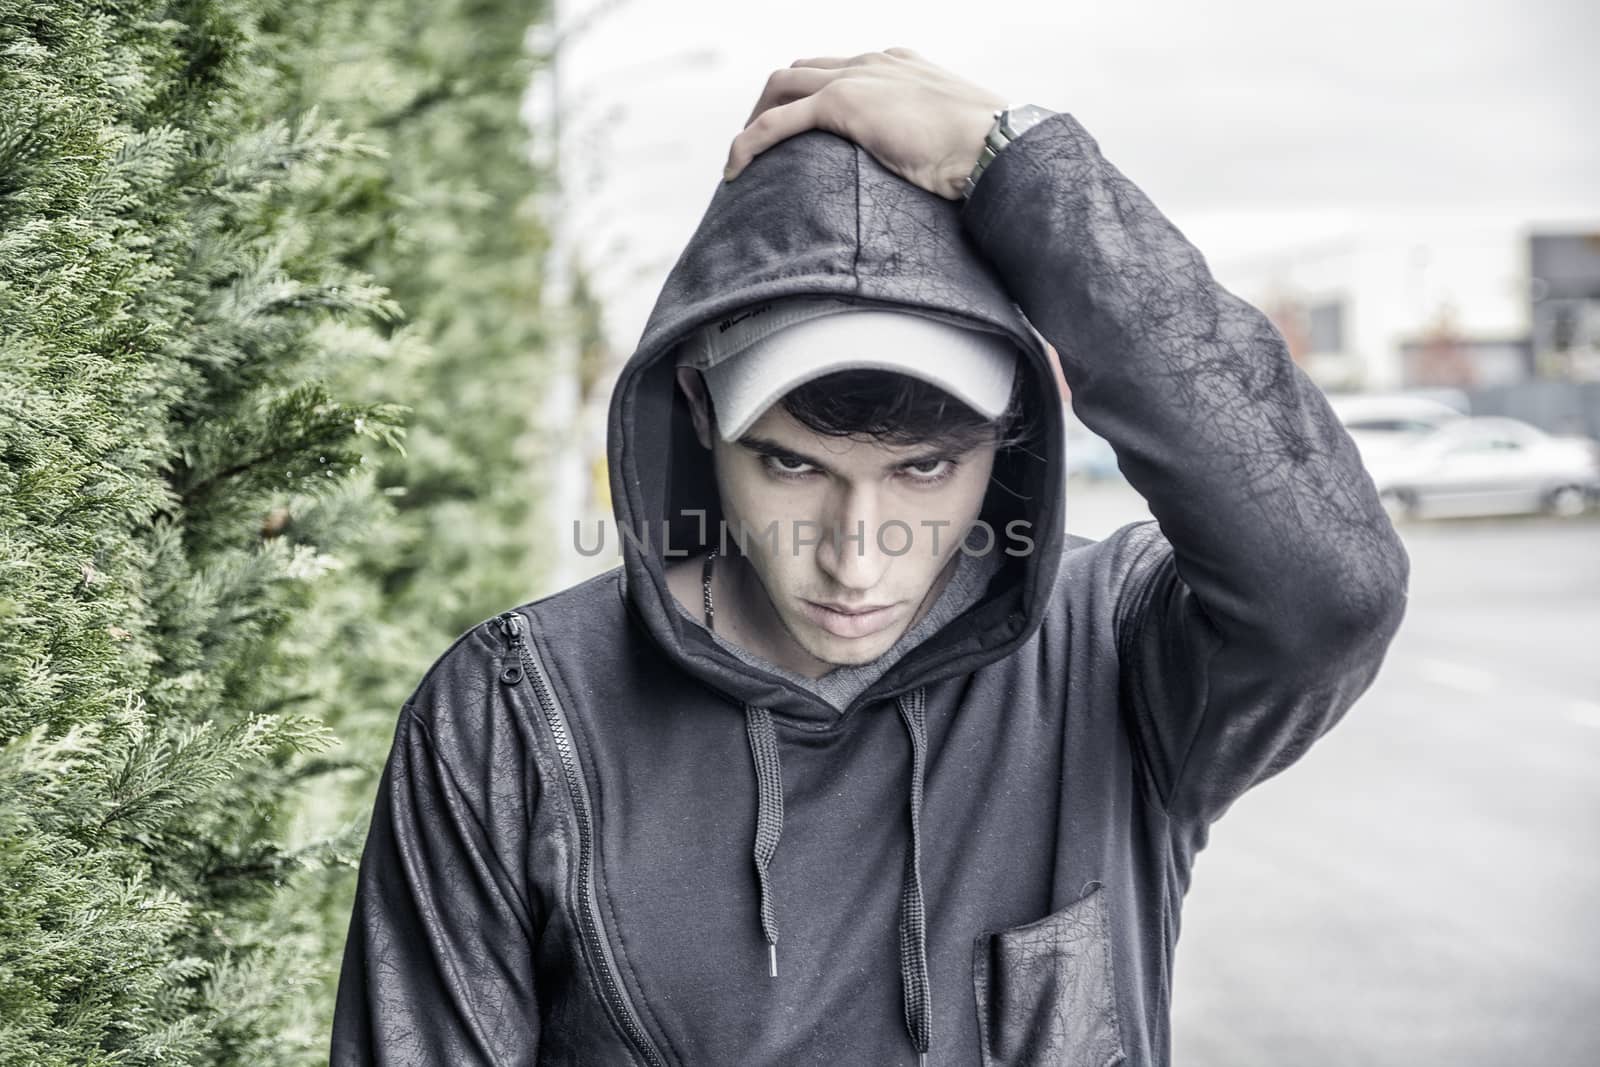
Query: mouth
[(848, 622)]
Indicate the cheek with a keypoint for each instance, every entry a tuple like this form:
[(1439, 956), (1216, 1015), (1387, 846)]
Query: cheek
[(975, 489), (956, 505), (970, 487), (761, 515), (740, 492), (748, 497)]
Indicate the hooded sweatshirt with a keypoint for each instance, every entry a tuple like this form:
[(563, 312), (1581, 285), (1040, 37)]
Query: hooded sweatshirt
[(601, 837)]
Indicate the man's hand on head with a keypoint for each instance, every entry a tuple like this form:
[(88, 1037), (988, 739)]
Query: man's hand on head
[(915, 118)]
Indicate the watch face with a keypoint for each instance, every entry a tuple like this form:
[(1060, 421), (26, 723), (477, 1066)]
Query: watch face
[(1020, 119)]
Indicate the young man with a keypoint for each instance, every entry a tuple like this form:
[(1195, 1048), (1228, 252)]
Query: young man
[(799, 784)]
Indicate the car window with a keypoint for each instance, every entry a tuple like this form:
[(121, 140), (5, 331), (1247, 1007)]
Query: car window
[(1484, 446), (1391, 425)]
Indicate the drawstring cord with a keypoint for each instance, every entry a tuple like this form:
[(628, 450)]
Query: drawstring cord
[(914, 981), (915, 986), (769, 816), (769, 787)]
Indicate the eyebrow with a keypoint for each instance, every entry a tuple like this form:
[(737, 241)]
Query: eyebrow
[(767, 447)]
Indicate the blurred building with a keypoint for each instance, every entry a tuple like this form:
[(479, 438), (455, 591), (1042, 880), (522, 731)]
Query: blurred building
[(1565, 316), (1413, 303)]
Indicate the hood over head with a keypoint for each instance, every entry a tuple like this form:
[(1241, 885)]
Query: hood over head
[(816, 214)]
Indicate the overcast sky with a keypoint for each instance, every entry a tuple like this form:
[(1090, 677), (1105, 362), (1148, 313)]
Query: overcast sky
[(1251, 124)]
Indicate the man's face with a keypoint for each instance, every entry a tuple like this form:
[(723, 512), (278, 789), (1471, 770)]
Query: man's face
[(843, 599)]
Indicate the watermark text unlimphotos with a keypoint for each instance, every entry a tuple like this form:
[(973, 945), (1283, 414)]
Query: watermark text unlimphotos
[(894, 537)]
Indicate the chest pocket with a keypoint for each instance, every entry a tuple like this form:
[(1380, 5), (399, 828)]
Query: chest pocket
[(1045, 992)]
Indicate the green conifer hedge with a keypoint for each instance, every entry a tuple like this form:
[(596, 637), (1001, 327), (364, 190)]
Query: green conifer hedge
[(269, 343)]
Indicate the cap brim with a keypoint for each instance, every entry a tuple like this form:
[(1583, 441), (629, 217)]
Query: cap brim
[(974, 366)]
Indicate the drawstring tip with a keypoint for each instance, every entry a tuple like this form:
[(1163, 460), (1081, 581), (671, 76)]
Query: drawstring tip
[(772, 956), (922, 1059)]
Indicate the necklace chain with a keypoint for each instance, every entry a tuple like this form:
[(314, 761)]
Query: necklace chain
[(705, 589)]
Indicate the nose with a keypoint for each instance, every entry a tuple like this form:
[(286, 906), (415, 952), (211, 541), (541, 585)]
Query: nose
[(849, 552)]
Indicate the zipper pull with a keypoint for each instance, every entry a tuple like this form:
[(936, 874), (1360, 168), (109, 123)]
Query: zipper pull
[(510, 624)]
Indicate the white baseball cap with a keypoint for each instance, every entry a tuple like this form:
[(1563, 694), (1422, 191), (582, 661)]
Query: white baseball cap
[(751, 357)]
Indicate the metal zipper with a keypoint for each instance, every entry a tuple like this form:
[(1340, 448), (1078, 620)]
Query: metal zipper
[(511, 624)]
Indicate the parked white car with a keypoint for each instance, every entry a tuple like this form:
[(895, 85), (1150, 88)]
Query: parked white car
[(1383, 423), (1487, 465)]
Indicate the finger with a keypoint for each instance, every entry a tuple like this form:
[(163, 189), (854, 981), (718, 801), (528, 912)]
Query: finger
[(833, 62), (822, 62), (771, 126), (904, 53), (791, 83)]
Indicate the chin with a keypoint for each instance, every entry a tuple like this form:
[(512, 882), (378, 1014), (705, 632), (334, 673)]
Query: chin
[(851, 652)]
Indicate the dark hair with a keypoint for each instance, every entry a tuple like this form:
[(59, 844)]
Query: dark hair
[(901, 410)]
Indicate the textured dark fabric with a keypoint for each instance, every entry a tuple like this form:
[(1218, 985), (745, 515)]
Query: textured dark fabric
[(1026, 975), (559, 866), (913, 910)]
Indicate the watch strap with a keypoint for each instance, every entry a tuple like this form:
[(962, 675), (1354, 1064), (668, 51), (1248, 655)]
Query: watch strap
[(1009, 124)]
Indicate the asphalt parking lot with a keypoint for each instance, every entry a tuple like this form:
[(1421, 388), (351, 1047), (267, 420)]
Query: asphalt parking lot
[(1421, 888)]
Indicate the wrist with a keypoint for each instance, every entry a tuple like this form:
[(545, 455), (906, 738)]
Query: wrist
[(1006, 125), (979, 120)]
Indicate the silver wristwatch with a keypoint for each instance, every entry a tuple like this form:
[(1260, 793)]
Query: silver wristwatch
[(1009, 124)]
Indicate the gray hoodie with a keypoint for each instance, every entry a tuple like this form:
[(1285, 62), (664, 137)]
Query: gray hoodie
[(599, 829)]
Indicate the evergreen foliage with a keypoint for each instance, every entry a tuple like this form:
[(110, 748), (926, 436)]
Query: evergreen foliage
[(248, 248)]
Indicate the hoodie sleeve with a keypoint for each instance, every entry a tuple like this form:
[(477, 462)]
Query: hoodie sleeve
[(1260, 603), (438, 967)]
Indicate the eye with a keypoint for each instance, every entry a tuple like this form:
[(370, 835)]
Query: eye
[(786, 466), (930, 471)]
